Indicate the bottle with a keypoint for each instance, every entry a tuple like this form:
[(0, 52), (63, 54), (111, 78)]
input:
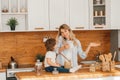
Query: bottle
[(38, 67), (55, 71)]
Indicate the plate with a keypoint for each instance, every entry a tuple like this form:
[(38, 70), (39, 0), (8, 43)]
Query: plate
[(117, 66), (88, 62)]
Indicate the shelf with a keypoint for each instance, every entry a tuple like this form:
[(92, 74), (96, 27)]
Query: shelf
[(14, 13), (14, 8), (99, 16), (98, 5)]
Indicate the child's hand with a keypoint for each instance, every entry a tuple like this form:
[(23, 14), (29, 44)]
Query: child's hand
[(58, 65)]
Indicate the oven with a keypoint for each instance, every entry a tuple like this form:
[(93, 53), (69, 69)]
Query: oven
[(11, 72)]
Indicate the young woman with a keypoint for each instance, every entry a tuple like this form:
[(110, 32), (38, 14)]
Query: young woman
[(50, 58), (68, 45)]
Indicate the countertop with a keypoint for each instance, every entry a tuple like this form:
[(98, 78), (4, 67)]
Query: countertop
[(3, 70), (81, 74)]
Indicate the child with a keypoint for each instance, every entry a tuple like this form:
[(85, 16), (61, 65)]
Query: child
[(50, 59)]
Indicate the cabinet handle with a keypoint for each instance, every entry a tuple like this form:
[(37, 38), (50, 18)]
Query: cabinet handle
[(99, 27), (79, 27), (41, 28)]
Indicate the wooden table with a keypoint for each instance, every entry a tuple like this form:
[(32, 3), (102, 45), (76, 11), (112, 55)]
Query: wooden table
[(82, 74)]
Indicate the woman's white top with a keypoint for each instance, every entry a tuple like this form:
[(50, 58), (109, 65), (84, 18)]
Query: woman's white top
[(71, 53)]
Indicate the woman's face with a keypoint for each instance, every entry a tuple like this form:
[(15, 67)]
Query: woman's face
[(65, 33)]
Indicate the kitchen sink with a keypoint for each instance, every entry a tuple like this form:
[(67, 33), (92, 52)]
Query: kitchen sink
[(11, 72)]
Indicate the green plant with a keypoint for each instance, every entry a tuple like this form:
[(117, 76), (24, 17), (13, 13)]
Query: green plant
[(12, 22), (40, 57)]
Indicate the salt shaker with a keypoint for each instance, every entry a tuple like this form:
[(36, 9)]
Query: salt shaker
[(55, 71)]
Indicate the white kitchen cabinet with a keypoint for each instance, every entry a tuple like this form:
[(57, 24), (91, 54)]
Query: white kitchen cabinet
[(13, 8), (115, 14), (58, 13), (38, 14), (104, 78), (99, 14), (79, 14), (2, 75)]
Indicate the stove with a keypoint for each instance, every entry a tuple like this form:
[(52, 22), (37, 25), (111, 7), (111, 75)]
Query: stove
[(11, 72)]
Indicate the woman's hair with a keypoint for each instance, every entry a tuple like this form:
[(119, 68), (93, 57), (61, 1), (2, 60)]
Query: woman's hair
[(71, 34), (49, 44)]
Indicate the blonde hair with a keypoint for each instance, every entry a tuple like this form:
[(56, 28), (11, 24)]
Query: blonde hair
[(71, 35)]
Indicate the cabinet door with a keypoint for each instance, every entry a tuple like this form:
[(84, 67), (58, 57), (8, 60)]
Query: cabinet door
[(38, 14), (79, 14), (58, 13), (115, 14), (99, 14), (2, 76)]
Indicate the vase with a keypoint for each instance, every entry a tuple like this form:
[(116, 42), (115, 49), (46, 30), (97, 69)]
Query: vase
[(12, 27)]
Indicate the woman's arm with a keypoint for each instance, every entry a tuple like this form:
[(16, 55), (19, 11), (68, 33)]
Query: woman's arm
[(92, 44), (51, 63)]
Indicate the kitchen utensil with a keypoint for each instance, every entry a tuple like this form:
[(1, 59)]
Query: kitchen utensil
[(114, 55), (12, 64)]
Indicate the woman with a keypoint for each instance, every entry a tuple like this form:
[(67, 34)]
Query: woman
[(68, 45)]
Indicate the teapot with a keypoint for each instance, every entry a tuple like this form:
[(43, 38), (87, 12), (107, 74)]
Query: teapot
[(12, 64)]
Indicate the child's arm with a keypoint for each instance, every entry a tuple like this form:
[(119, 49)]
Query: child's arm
[(51, 63)]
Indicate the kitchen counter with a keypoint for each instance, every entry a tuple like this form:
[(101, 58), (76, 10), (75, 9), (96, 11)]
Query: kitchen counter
[(81, 74), (3, 70)]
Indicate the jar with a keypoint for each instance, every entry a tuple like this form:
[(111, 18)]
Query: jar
[(55, 71), (38, 67), (92, 68)]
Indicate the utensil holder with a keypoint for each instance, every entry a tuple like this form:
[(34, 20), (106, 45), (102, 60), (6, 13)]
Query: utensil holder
[(105, 66)]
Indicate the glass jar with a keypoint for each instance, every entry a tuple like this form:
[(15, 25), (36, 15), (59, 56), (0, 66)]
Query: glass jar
[(38, 67), (92, 68), (55, 71)]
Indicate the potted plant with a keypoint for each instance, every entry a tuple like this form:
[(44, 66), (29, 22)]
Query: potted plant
[(12, 22), (40, 57)]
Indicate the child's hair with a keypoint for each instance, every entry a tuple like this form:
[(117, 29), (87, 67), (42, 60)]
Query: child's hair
[(49, 44)]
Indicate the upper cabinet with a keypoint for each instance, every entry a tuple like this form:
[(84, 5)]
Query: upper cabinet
[(50, 14), (38, 15), (99, 14), (115, 14), (58, 13), (72, 12), (79, 14), (13, 9)]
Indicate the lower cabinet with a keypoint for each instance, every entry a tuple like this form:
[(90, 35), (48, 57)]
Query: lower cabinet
[(104, 78), (2, 75)]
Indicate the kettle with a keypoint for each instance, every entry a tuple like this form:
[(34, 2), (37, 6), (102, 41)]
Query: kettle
[(12, 64)]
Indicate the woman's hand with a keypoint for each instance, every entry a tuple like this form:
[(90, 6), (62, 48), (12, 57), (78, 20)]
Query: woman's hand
[(92, 44), (66, 46)]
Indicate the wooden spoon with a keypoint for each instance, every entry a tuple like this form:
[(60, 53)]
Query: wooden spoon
[(114, 55)]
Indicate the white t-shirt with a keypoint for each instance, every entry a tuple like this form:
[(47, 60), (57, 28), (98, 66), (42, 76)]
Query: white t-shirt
[(52, 56)]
